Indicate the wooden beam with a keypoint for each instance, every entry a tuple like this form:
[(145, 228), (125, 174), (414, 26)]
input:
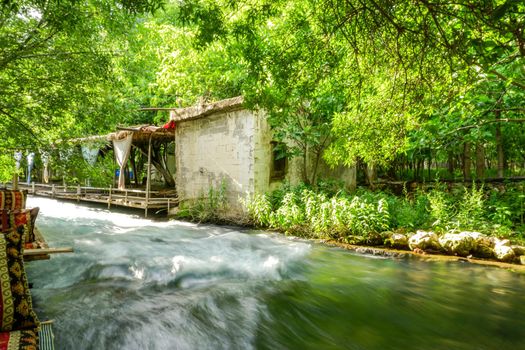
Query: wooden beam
[(43, 251), (148, 180)]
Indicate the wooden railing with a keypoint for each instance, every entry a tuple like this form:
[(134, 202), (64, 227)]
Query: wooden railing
[(134, 198)]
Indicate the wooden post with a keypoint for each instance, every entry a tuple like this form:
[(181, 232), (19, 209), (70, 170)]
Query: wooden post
[(499, 148), (53, 190), (78, 193), (33, 187), (15, 180), (467, 162), (109, 198), (148, 180)]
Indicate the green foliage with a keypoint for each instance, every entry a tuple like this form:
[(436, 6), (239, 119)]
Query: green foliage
[(304, 211), (410, 213), (471, 209), (7, 166), (56, 68), (259, 208), (211, 207), (360, 217), (441, 209), (376, 81), (290, 215)]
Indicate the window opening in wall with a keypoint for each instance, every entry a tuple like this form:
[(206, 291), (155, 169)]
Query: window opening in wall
[(278, 165)]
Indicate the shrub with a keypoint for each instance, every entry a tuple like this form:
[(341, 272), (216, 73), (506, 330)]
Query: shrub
[(302, 209), (209, 208), (290, 214), (363, 216), (471, 209), (259, 208)]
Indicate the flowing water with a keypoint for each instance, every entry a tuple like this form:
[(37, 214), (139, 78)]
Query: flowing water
[(133, 283)]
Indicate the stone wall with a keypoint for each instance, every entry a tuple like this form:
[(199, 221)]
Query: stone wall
[(215, 150), (263, 153)]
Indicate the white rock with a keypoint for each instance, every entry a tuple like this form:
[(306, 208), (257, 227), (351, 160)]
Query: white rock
[(457, 243), (424, 240), (397, 240), (483, 245), (504, 253), (502, 242), (522, 259)]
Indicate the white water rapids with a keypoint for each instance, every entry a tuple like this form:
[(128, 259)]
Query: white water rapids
[(134, 283)]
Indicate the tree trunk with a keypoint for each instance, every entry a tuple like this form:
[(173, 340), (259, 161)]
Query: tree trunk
[(499, 148), (157, 159), (157, 163), (450, 164), (430, 166), (480, 161), (134, 166), (467, 162), (305, 167), (371, 174), (420, 171), (318, 155)]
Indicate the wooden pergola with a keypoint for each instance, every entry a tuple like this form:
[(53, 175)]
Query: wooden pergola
[(143, 138)]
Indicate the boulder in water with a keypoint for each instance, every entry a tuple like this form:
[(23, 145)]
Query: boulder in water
[(522, 259), (504, 253), (397, 241), (457, 243), (518, 249), (483, 245), (424, 240)]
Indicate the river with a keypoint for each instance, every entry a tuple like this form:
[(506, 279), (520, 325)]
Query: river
[(134, 283)]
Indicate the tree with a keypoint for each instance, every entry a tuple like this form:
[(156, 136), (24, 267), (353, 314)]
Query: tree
[(55, 66), (396, 64)]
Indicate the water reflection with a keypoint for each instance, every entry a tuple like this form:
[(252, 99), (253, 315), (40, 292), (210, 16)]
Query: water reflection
[(139, 284)]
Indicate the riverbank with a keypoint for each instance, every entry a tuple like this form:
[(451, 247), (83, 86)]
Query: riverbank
[(383, 251), (407, 254), (473, 223)]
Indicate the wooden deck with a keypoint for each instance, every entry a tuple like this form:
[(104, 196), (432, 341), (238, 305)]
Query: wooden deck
[(131, 198)]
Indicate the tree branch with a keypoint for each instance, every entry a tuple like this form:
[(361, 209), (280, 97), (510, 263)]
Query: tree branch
[(502, 77), (500, 120)]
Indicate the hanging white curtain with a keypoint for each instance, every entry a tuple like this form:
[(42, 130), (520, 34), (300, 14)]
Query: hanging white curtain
[(90, 154), (30, 164), (122, 149), (18, 159), (45, 160)]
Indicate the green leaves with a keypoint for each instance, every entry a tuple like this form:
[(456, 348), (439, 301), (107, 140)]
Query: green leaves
[(368, 80), (56, 68), (301, 210)]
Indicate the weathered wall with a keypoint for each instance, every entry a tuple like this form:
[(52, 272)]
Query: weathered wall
[(263, 153), (213, 150)]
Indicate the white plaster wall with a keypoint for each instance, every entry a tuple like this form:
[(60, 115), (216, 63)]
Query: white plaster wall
[(215, 149), (263, 153)]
